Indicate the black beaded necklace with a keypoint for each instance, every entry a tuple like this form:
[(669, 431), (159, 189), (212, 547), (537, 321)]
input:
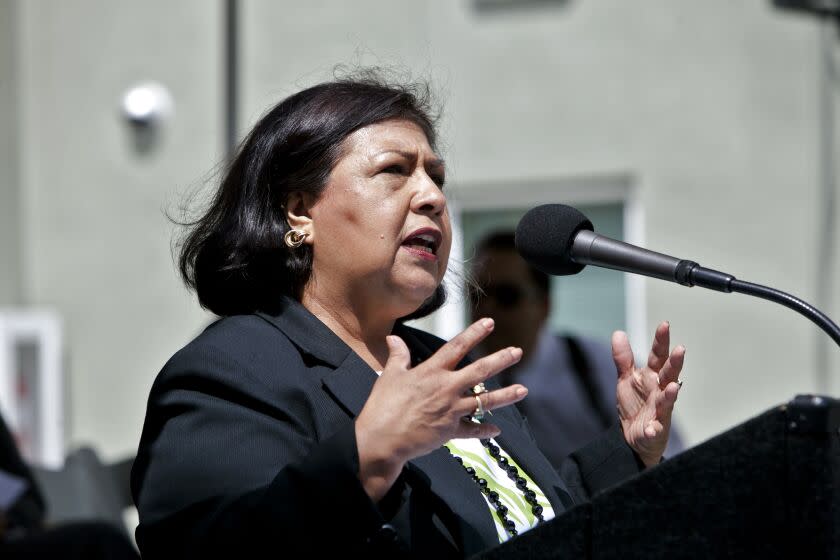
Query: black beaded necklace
[(493, 496)]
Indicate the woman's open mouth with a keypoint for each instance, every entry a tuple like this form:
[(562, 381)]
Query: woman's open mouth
[(424, 243)]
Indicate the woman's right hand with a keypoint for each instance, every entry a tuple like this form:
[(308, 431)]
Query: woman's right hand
[(412, 411)]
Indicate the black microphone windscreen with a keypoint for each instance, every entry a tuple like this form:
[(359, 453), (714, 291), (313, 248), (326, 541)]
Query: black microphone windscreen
[(544, 237)]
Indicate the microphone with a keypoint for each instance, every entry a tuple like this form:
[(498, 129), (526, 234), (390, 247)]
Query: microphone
[(560, 240)]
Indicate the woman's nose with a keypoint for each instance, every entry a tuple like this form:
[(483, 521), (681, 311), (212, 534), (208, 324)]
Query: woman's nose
[(429, 197)]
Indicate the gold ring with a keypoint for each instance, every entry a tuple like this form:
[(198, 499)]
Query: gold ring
[(479, 389), (478, 414)]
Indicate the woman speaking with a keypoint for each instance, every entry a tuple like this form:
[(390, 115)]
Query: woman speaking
[(309, 419)]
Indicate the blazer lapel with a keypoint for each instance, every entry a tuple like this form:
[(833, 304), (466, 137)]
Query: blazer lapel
[(513, 439), (518, 444), (350, 383), (307, 332), (448, 480), (351, 380)]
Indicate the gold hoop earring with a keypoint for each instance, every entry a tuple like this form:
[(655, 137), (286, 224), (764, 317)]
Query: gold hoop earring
[(294, 238)]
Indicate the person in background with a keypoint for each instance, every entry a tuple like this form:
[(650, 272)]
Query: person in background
[(23, 534), (571, 378)]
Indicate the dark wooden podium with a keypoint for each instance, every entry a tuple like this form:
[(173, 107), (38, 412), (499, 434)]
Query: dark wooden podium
[(768, 488)]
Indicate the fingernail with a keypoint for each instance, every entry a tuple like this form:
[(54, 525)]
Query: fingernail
[(487, 323), (496, 432), (521, 392), (516, 353)]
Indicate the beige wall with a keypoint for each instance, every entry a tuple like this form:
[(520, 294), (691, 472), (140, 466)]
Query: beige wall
[(9, 185), (710, 106), (96, 241)]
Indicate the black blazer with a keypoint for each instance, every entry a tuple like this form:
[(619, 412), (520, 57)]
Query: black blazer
[(248, 450)]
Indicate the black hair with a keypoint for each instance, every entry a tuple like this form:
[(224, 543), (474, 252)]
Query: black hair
[(505, 240), (233, 255)]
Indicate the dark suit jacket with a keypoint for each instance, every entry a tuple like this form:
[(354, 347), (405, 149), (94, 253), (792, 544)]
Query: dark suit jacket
[(248, 450)]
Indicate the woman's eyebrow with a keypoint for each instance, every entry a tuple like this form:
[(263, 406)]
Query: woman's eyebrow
[(437, 162)]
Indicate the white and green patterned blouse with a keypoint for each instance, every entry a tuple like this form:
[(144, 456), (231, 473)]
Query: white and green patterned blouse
[(475, 455)]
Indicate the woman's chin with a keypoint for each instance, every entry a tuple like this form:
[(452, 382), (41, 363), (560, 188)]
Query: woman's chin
[(411, 300)]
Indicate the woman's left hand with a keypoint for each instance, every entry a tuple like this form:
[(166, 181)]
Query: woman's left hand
[(646, 396)]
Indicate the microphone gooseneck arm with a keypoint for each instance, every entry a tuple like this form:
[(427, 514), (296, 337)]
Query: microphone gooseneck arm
[(815, 315), (590, 248)]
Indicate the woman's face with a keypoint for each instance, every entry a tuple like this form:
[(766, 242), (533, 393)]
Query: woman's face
[(380, 230)]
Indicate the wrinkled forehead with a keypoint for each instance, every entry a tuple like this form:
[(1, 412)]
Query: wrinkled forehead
[(397, 135)]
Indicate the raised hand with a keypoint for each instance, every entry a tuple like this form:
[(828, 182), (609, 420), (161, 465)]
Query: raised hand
[(413, 411), (646, 396)]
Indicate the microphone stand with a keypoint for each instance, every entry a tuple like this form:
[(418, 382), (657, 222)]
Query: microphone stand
[(590, 248), (689, 273), (791, 302)]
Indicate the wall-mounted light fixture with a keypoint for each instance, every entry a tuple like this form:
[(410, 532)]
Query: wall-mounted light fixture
[(146, 108)]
